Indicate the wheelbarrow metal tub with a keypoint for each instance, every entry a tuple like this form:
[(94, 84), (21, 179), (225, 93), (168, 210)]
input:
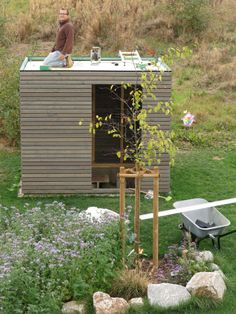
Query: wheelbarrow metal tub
[(209, 215)]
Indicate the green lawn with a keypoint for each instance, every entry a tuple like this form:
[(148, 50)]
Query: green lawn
[(205, 173), (208, 170)]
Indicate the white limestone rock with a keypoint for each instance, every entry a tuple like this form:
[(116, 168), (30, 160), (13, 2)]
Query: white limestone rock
[(167, 295), (204, 256), (220, 272), (136, 301), (214, 267), (209, 284), (100, 214), (104, 304), (73, 307)]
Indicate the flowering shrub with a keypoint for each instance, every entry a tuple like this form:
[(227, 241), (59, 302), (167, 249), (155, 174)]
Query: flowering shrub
[(50, 255), (179, 264)]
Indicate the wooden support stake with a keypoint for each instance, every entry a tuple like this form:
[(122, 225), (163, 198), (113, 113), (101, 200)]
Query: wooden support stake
[(136, 211), (155, 216), (139, 173), (122, 213)]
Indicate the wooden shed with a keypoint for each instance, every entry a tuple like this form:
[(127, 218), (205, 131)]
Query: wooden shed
[(58, 155)]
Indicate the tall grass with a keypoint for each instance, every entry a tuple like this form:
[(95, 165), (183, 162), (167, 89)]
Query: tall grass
[(218, 67), (9, 98), (122, 24), (107, 23), (126, 24)]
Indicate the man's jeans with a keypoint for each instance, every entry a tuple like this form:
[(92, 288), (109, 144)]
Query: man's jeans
[(53, 60)]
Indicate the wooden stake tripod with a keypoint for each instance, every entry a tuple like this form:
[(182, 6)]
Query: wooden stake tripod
[(137, 173)]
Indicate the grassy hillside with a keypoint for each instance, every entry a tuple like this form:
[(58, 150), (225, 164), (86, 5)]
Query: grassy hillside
[(204, 84)]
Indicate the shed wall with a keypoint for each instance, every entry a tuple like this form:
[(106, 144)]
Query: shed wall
[(56, 153)]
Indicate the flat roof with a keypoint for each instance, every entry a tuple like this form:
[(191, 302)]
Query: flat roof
[(106, 64)]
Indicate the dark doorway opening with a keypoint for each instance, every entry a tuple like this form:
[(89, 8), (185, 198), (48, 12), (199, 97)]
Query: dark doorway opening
[(115, 101)]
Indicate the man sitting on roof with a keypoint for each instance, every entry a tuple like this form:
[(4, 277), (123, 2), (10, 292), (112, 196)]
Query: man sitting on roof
[(60, 55)]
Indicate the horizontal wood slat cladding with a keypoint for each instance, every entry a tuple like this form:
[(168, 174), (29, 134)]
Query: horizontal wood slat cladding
[(53, 143), (52, 119), (60, 88), (50, 164), (63, 191), (56, 153), (69, 103), (54, 171), (48, 111)]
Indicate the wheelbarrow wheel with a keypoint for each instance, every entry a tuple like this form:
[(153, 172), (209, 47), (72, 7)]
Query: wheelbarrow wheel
[(187, 234), (181, 226), (197, 242)]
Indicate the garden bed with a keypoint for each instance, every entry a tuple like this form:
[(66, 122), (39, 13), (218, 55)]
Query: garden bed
[(205, 170)]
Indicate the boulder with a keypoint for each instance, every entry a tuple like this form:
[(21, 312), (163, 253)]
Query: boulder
[(204, 256), (73, 307), (167, 295), (136, 301), (216, 268), (101, 214), (104, 304), (209, 284), (220, 272)]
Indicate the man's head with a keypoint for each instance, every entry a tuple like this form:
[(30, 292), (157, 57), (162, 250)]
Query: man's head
[(63, 15)]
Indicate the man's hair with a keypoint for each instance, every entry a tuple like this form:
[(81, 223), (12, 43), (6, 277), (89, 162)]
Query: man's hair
[(63, 9)]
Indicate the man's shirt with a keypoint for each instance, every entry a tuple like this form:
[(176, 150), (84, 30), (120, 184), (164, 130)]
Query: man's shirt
[(64, 38)]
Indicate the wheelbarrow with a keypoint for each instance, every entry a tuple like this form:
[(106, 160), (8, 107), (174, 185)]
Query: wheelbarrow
[(203, 223)]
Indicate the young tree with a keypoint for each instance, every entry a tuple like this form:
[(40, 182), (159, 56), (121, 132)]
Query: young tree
[(144, 142)]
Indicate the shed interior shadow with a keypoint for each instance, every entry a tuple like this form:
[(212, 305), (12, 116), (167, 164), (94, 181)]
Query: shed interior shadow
[(116, 102)]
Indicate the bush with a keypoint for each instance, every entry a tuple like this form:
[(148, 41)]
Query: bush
[(190, 136), (179, 264), (50, 255), (189, 16)]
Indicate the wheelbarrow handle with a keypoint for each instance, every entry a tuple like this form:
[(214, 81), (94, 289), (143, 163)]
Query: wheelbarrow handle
[(227, 233), (223, 235)]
